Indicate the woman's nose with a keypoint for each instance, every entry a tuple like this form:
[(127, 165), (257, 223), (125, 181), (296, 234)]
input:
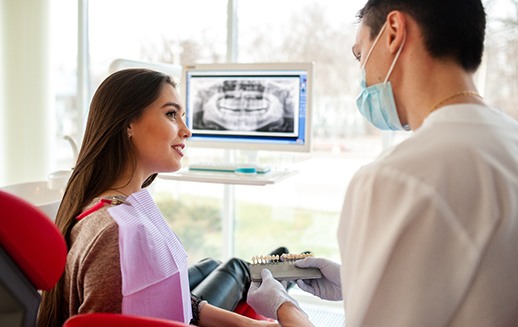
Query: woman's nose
[(185, 132)]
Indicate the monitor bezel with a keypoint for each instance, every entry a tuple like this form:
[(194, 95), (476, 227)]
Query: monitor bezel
[(236, 67)]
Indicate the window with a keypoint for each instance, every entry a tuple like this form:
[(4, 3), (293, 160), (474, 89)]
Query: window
[(302, 212), (498, 76), (163, 31), (64, 39)]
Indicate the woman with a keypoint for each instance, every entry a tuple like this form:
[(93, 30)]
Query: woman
[(134, 130)]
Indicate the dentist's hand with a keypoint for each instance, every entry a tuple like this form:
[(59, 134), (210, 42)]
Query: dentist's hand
[(266, 297), (329, 286)]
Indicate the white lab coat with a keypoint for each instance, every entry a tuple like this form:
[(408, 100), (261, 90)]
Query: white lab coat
[(429, 231)]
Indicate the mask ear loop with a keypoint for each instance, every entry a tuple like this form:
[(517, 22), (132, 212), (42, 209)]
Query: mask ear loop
[(374, 44), (395, 59)]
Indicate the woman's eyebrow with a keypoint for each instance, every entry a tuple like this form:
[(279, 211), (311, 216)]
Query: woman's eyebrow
[(173, 104)]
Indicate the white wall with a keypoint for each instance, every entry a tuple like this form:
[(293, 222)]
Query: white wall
[(25, 91)]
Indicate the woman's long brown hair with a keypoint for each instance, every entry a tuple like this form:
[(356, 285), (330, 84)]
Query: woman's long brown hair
[(105, 152)]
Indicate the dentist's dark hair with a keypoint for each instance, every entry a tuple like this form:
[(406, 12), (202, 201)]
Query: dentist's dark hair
[(105, 153), (451, 29)]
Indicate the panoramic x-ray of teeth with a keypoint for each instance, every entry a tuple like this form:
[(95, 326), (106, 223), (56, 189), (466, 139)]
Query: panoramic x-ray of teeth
[(245, 105)]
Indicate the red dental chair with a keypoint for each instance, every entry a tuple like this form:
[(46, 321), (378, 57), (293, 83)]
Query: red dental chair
[(118, 320), (32, 258)]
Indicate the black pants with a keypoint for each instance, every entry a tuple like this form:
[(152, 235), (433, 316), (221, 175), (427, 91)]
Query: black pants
[(220, 284)]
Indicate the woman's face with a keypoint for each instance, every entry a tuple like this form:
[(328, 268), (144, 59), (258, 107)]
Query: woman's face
[(158, 136)]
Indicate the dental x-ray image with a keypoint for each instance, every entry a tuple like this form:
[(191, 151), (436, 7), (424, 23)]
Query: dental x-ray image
[(255, 104)]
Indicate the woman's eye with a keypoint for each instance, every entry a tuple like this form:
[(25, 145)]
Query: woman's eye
[(172, 114)]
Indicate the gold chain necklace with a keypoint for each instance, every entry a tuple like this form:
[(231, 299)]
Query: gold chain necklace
[(116, 190), (456, 95)]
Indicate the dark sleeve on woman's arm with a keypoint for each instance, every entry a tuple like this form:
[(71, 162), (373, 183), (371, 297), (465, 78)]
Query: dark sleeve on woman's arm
[(196, 304)]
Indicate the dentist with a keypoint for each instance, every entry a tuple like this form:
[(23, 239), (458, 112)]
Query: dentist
[(429, 231)]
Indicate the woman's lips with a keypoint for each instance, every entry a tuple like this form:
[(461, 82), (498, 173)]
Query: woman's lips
[(179, 148)]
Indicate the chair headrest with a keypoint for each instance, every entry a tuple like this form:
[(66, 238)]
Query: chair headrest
[(32, 241)]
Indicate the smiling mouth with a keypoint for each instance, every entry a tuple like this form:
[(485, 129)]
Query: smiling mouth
[(179, 149)]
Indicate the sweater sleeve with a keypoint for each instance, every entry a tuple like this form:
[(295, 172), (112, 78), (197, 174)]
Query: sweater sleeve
[(100, 274)]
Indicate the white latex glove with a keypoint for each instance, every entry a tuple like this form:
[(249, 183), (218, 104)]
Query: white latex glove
[(329, 286), (266, 297)]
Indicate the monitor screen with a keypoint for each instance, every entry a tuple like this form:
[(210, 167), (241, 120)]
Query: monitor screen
[(249, 106)]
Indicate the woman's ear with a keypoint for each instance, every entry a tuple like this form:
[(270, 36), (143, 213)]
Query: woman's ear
[(130, 131), (396, 30)]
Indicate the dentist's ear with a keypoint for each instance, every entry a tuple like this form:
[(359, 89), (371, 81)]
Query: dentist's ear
[(396, 26)]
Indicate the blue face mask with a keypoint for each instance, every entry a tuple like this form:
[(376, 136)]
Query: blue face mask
[(376, 102)]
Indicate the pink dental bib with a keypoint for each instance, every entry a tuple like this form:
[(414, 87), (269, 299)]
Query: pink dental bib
[(153, 262)]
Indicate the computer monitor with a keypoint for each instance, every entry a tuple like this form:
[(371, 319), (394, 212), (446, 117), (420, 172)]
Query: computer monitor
[(259, 106)]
